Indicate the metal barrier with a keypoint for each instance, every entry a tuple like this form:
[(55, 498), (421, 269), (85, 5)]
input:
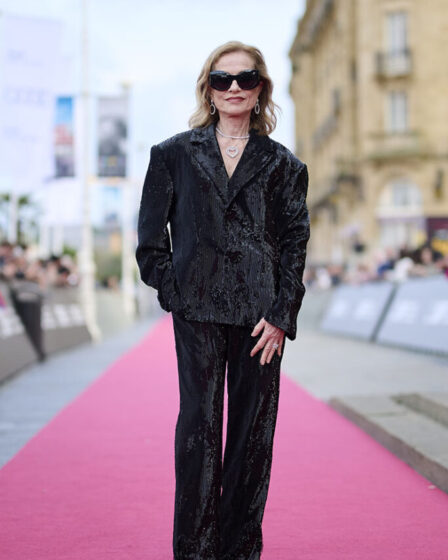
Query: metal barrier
[(418, 316), (358, 310), (412, 314)]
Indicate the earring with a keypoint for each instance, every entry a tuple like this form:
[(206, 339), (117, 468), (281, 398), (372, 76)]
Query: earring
[(257, 108), (212, 107)]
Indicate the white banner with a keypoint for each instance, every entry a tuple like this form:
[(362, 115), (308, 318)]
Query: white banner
[(29, 64), (112, 136)]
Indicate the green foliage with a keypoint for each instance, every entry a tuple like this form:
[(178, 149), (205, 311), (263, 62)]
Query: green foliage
[(68, 250), (108, 265), (27, 219)]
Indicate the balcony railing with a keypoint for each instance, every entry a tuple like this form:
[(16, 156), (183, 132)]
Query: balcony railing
[(393, 63), (396, 145)]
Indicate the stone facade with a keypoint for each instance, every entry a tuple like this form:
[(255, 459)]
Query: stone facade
[(370, 87)]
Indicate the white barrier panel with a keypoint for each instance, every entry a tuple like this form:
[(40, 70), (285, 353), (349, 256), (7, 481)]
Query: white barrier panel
[(357, 310), (63, 321), (418, 316)]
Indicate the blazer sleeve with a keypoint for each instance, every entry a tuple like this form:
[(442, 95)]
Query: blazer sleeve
[(153, 252), (293, 226)]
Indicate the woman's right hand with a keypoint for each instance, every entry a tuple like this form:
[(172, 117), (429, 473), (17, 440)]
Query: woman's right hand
[(271, 335)]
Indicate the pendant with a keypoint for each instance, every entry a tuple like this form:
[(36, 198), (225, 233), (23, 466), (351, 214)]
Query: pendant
[(232, 151)]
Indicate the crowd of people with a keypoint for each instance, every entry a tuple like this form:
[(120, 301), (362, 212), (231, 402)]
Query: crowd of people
[(20, 262), (395, 265)]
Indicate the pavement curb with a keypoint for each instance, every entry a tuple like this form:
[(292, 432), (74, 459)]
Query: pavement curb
[(415, 437)]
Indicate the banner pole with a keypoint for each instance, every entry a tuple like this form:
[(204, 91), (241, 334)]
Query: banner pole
[(13, 217), (87, 264), (127, 261)]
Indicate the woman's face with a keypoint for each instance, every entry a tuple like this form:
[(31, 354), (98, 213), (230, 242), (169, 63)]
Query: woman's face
[(235, 101)]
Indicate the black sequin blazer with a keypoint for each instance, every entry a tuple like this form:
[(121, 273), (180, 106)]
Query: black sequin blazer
[(239, 244)]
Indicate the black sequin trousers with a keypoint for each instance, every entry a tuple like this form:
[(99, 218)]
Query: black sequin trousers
[(208, 524)]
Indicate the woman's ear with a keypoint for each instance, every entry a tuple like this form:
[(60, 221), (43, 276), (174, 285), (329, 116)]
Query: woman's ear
[(209, 93)]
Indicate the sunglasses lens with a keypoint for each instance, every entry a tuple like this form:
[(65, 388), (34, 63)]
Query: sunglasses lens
[(248, 80), (221, 82)]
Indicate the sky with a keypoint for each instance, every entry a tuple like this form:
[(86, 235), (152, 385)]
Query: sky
[(159, 47)]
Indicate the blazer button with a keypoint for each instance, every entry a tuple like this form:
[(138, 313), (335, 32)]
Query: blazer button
[(228, 212)]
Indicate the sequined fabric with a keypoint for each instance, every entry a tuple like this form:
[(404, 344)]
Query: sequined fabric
[(209, 525), (237, 253), (238, 245)]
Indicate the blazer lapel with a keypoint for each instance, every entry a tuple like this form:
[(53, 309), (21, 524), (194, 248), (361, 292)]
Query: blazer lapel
[(256, 155), (207, 156)]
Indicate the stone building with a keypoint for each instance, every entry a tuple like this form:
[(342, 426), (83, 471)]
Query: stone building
[(370, 88)]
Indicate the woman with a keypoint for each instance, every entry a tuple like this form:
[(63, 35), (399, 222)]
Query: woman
[(239, 224)]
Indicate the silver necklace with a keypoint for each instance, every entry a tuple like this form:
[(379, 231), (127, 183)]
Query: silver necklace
[(232, 151)]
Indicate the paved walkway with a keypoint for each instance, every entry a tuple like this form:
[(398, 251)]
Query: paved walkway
[(329, 366)]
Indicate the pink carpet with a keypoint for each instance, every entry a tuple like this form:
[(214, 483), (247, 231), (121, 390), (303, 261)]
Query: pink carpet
[(97, 482)]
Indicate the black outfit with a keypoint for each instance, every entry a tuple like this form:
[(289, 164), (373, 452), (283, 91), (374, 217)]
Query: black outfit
[(238, 254), (208, 526)]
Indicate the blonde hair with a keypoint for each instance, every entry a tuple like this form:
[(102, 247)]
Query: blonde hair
[(266, 120)]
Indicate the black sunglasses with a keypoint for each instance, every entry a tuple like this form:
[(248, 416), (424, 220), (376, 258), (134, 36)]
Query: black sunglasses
[(247, 79)]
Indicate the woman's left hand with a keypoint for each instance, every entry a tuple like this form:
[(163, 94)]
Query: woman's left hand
[(271, 335)]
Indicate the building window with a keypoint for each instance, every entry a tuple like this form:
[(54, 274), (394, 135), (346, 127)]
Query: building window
[(395, 60), (397, 111), (401, 195), (400, 214), (396, 35), (396, 234), (405, 195)]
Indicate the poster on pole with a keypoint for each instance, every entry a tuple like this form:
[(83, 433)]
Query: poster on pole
[(64, 149), (112, 122)]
